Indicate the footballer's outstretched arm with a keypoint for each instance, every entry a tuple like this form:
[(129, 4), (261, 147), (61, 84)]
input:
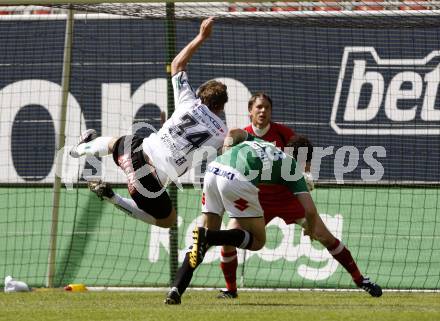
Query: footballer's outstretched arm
[(181, 60), (234, 137)]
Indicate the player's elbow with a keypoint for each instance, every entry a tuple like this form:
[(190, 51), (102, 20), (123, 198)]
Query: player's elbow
[(177, 66), (237, 135)]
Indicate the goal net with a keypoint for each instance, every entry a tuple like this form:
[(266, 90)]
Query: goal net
[(360, 79)]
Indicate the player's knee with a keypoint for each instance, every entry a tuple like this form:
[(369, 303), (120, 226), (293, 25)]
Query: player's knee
[(258, 242), (256, 245), (326, 241), (111, 144), (324, 236), (228, 249), (168, 221)]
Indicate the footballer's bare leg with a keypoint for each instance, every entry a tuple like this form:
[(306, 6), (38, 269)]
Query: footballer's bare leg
[(341, 254), (256, 226), (185, 273), (229, 265)]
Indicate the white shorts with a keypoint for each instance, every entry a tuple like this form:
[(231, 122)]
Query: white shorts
[(226, 189)]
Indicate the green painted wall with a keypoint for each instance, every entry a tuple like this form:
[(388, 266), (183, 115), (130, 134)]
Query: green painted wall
[(394, 233)]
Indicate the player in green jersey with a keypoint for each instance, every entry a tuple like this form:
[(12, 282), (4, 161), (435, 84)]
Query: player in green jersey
[(231, 185)]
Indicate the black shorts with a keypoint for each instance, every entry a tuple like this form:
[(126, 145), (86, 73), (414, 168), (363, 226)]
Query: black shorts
[(132, 160)]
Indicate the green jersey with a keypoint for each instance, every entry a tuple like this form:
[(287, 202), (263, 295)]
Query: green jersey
[(262, 162)]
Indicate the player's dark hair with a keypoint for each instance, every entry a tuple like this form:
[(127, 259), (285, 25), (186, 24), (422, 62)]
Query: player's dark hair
[(213, 94), (298, 142), (258, 94)]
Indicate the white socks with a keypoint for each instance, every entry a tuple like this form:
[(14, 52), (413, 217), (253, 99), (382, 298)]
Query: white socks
[(97, 147), (129, 207)]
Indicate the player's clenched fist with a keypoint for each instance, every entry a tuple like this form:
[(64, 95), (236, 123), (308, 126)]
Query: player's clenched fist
[(206, 27)]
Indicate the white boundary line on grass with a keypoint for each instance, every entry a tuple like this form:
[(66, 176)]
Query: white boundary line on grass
[(162, 289)]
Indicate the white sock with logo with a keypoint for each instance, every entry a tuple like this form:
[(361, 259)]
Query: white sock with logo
[(97, 147), (129, 206)]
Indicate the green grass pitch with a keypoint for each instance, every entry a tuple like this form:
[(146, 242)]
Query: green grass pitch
[(203, 306)]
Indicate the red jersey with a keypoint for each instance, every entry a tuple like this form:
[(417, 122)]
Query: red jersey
[(290, 209), (277, 134)]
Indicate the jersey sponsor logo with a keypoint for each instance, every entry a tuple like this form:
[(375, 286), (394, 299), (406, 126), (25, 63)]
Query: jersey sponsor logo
[(178, 155), (260, 150), (378, 96), (220, 172), (206, 114), (241, 204), (266, 152), (203, 199)]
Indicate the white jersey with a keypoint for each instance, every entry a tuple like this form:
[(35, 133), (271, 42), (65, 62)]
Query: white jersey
[(191, 126)]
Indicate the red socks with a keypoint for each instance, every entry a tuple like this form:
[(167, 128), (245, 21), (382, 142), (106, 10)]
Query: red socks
[(343, 256), (228, 264)]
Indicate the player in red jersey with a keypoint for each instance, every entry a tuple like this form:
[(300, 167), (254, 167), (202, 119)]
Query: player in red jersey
[(291, 211), (262, 126)]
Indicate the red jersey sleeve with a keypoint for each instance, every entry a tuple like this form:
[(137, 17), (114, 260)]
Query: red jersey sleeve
[(284, 131), (279, 134), (249, 129)]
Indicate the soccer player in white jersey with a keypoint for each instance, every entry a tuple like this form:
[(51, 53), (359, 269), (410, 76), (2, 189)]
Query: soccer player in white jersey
[(152, 162)]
